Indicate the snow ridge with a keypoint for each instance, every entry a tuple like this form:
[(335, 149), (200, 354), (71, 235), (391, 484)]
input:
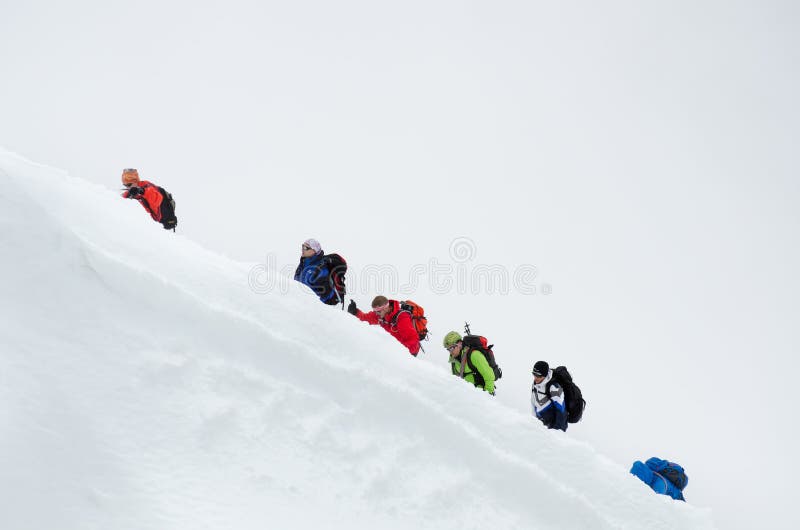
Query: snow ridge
[(144, 385)]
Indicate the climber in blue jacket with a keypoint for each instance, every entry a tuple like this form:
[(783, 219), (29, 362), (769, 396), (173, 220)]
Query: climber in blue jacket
[(666, 478), (315, 271)]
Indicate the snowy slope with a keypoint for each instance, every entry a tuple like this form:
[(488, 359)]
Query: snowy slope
[(145, 386)]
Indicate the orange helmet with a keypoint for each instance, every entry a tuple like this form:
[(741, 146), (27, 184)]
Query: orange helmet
[(130, 177)]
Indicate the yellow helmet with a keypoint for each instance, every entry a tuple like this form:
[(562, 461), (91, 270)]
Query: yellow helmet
[(450, 339)]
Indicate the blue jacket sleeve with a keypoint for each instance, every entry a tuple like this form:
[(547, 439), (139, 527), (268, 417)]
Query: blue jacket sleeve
[(298, 270), (644, 473)]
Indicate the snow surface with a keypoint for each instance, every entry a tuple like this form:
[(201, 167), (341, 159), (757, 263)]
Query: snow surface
[(146, 386)]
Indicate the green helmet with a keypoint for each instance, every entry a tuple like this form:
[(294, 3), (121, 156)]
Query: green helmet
[(451, 338)]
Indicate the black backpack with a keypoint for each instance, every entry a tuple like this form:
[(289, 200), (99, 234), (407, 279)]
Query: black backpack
[(167, 209), (573, 398), (675, 474), (338, 268), (168, 219), (477, 342)]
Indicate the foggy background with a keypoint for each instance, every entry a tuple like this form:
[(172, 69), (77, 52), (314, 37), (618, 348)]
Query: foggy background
[(640, 156)]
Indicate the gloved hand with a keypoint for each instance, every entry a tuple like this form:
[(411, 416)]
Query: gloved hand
[(170, 224), (352, 309), (134, 191)]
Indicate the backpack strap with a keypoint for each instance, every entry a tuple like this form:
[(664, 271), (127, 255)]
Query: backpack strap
[(396, 316), (667, 483), (463, 362), (479, 380)]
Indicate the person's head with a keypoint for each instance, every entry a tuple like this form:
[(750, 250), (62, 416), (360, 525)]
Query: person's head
[(540, 371), (130, 177), (452, 343), (381, 306), (310, 248)]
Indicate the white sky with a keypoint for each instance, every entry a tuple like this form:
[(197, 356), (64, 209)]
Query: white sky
[(641, 155)]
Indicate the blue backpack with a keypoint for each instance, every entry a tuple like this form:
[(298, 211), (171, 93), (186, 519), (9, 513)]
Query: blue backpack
[(670, 471)]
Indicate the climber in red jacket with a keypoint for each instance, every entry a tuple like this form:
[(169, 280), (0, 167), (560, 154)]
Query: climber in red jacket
[(156, 200), (389, 316)]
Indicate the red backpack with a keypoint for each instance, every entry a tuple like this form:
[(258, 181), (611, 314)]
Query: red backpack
[(417, 317)]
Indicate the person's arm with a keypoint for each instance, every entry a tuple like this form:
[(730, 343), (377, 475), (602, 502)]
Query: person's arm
[(371, 318), (559, 408), (321, 283), (153, 199), (407, 334), (644, 473), (298, 270), (480, 363)]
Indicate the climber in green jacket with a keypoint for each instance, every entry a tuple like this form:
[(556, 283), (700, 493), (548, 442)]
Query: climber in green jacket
[(469, 364)]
